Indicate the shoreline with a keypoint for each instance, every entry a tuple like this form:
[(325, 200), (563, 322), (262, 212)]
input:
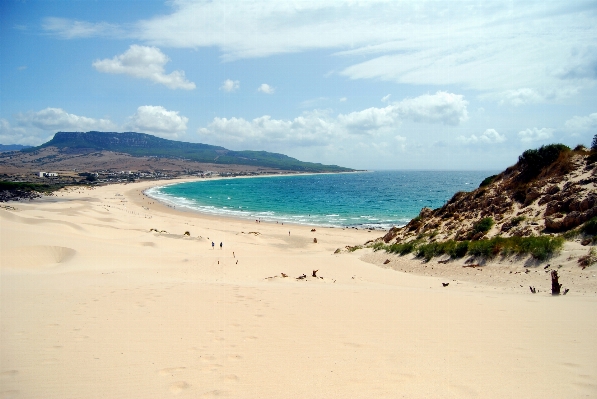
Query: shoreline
[(96, 304), (273, 220)]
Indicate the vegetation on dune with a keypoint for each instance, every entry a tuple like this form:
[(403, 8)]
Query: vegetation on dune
[(22, 186), (532, 162), (487, 181), (483, 225), (590, 227), (540, 248)]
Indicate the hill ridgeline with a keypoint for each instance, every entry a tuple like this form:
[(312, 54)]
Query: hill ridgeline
[(143, 145)]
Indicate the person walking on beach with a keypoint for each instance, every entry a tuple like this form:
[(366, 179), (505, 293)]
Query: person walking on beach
[(220, 245), (212, 245)]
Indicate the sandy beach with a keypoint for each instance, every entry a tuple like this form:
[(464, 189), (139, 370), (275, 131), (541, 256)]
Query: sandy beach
[(102, 295)]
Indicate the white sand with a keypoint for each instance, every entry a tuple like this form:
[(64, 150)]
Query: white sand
[(94, 305)]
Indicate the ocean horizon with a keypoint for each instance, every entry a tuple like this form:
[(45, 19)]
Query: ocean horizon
[(370, 200)]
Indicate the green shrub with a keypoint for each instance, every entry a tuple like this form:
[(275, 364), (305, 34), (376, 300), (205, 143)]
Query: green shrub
[(403, 248), (516, 220), (43, 188), (378, 246), (590, 227), (483, 225), (533, 161), (539, 247), (459, 250), (487, 181)]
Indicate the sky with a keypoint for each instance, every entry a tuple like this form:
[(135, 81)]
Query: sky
[(442, 85)]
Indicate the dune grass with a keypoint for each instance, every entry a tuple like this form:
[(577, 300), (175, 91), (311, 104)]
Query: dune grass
[(540, 248)]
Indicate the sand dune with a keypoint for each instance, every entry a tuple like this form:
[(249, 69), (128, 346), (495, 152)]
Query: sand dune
[(96, 303)]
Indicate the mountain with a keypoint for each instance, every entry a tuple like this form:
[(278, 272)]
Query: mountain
[(144, 145), (552, 189), (13, 147)]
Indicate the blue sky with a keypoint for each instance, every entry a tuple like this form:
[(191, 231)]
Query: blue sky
[(375, 85)]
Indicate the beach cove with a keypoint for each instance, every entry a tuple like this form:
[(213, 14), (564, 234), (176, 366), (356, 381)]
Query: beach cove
[(103, 295)]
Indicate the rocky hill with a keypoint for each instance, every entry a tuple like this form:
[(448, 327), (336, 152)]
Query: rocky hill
[(549, 190), (145, 145)]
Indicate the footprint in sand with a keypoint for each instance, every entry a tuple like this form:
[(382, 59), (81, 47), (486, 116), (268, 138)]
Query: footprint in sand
[(230, 378), (13, 393), (215, 394), (170, 371), (179, 386), (9, 374)]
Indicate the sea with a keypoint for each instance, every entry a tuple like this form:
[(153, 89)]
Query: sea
[(369, 200)]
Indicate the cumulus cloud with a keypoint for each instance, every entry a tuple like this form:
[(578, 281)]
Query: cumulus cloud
[(310, 129), (442, 107), (320, 127), (59, 119), (18, 135), (489, 136), (145, 63), (230, 85), (265, 88), (158, 121), (582, 123), (535, 134)]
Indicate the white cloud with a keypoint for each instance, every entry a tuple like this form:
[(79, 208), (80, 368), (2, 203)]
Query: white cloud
[(489, 136), (230, 85), (493, 47), (145, 63), (19, 135), (71, 29), (441, 107), (343, 99), (534, 134), (265, 88), (582, 123), (386, 98), (158, 121), (317, 128), (58, 119), (311, 128)]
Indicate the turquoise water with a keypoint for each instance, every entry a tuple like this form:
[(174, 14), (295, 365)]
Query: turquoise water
[(377, 200)]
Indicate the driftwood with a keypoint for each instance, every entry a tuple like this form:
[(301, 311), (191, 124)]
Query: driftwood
[(386, 262), (445, 284), (555, 285), (301, 277), (533, 290), (315, 240), (443, 261), (475, 265), (284, 274), (314, 273)]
